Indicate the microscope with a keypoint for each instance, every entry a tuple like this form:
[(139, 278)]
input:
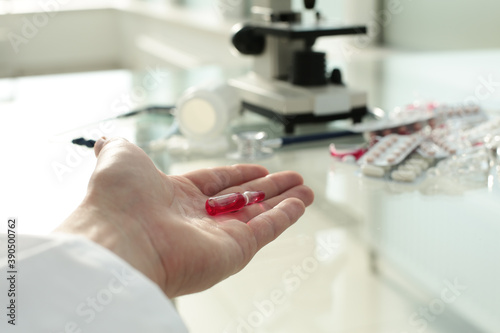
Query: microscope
[(288, 82)]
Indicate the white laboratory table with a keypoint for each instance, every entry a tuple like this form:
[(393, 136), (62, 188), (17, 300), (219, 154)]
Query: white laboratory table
[(367, 256)]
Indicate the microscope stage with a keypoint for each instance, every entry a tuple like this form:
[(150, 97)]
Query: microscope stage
[(285, 98), (300, 30), (292, 104)]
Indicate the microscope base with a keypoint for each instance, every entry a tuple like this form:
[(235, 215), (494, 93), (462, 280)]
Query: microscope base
[(290, 120), (291, 104)]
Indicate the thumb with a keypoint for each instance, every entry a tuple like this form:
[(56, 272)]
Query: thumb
[(116, 149), (99, 145)]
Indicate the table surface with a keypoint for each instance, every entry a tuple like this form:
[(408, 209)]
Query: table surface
[(318, 276)]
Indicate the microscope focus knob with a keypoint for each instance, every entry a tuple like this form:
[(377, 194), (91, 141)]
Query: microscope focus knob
[(247, 41), (336, 77)]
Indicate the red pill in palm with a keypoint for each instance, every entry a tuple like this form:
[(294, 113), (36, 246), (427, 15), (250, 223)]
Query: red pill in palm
[(232, 202)]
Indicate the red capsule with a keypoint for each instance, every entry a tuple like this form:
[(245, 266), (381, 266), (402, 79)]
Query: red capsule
[(232, 202)]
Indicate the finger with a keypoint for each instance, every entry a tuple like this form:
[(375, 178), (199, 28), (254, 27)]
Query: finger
[(98, 146), (114, 142), (270, 224), (301, 192), (212, 181), (113, 145), (272, 185), (118, 156)]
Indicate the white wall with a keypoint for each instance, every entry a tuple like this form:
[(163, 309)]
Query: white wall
[(68, 41), (178, 43), (443, 24), (126, 37)]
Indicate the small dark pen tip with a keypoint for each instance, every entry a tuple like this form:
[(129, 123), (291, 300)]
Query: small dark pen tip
[(83, 142)]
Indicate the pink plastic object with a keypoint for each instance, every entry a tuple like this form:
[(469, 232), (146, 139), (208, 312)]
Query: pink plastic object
[(356, 153), (232, 202)]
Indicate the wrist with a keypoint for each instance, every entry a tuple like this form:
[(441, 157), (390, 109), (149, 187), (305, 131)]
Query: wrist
[(119, 233)]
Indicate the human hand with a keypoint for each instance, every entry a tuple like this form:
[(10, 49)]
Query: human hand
[(158, 223)]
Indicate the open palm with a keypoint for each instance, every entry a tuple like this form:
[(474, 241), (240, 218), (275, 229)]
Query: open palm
[(164, 217)]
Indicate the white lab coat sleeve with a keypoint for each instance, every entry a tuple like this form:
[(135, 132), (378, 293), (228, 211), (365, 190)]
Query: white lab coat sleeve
[(69, 284)]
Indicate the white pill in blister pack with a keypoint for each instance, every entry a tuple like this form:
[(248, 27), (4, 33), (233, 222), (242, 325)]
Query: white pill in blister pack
[(349, 159), (417, 162), (403, 175), (411, 169), (372, 170), (408, 171), (430, 149)]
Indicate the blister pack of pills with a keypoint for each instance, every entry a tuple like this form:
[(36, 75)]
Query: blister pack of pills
[(394, 158), (391, 149), (392, 126), (401, 120), (430, 149), (411, 139), (414, 117), (412, 168), (450, 140), (479, 133), (467, 113)]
